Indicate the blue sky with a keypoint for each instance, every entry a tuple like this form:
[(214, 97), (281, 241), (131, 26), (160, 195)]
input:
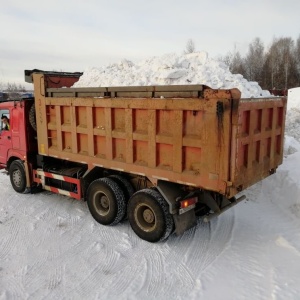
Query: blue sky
[(74, 35)]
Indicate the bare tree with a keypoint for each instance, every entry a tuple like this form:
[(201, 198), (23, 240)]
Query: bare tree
[(276, 68), (237, 65), (297, 59), (190, 47), (13, 87), (235, 62), (280, 66), (254, 61)]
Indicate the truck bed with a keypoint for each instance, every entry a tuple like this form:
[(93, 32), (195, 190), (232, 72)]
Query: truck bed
[(194, 135)]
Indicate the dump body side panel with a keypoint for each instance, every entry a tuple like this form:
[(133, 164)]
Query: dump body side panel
[(183, 140)]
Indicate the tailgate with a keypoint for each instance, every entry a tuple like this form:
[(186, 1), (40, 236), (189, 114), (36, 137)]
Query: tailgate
[(257, 140)]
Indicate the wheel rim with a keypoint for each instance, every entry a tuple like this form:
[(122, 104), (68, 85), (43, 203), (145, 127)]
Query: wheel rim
[(145, 217), (102, 203), (17, 178)]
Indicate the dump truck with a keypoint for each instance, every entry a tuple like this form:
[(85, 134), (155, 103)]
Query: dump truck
[(160, 157)]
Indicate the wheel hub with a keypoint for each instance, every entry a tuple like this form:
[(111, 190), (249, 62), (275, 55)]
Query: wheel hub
[(145, 217), (17, 178), (148, 216), (102, 204)]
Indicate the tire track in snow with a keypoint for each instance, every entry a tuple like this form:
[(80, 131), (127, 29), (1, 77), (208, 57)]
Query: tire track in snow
[(55, 278), (154, 266), (13, 290), (122, 262), (204, 243), (222, 236), (45, 236), (103, 254), (110, 252), (177, 251), (9, 240), (94, 278)]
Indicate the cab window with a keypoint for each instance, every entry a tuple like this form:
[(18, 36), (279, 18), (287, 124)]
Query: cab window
[(4, 113)]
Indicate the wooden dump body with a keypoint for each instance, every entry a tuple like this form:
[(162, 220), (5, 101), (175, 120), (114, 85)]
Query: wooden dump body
[(190, 134)]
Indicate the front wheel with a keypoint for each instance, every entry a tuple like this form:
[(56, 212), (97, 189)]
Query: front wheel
[(149, 217), (17, 176)]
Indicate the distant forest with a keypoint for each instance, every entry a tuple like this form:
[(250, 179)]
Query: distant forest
[(273, 67)]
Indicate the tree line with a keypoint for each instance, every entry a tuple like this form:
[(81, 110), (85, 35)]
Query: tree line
[(12, 87), (274, 67)]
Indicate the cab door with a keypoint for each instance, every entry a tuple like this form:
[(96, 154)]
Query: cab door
[(5, 139)]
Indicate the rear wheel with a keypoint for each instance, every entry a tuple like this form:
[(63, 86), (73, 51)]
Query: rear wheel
[(106, 201), (125, 185), (149, 216), (17, 176)]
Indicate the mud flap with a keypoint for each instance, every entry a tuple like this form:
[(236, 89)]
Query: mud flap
[(184, 222), (27, 174)]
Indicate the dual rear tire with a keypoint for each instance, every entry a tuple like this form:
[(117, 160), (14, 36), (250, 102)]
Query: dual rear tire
[(106, 201), (149, 217), (111, 199)]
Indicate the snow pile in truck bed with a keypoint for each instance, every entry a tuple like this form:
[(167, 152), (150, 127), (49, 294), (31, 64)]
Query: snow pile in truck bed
[(170, 69)]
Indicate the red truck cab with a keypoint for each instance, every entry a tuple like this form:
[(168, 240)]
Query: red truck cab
[(18, 144)]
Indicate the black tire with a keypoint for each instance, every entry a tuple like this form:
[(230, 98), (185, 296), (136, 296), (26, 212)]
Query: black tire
[(106, 201), (32, 119), (17, 176), (149, 216), (125, 185)]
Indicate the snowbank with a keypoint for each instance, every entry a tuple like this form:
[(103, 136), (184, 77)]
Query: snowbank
[(171, 69), (292, 127)]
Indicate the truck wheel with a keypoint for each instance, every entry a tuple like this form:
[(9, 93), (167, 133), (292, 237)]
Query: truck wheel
[(149, 216), (17, 176), (106, 201), (125, 185)]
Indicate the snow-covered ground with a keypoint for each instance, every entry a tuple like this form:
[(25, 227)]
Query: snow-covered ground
[(51, 247)]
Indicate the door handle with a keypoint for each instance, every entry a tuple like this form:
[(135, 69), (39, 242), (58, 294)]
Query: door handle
[(8, 137)]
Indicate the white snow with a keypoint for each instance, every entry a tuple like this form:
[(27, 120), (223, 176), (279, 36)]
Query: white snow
[(51, 247), (193, 68)]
